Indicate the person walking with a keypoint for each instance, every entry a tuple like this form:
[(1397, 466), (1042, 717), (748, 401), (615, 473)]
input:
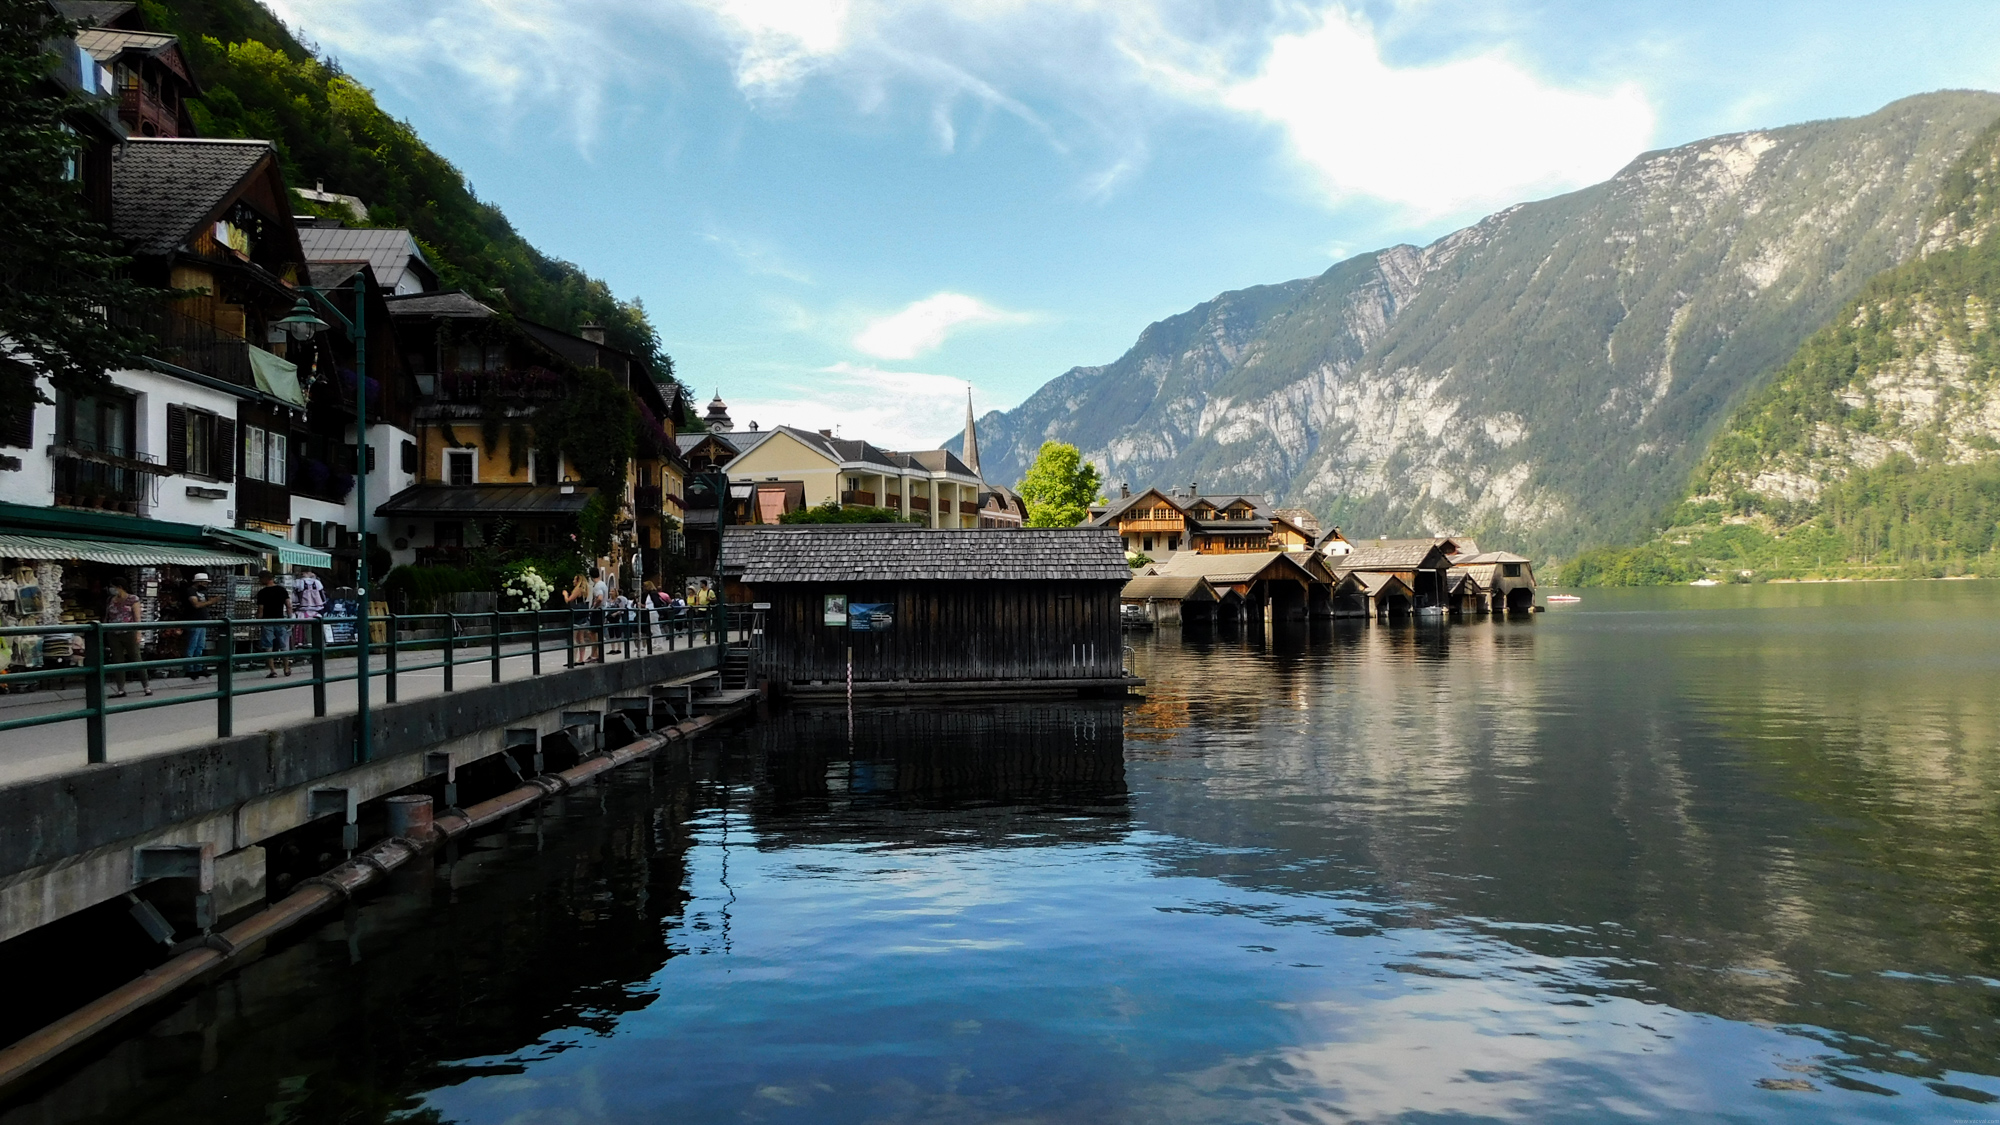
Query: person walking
[(200, 606), (122, 646), (274, 607)]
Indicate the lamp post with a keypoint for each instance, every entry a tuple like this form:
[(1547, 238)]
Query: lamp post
[(303, 325)]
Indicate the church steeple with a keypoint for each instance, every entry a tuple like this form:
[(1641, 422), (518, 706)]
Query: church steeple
[(971, 454)]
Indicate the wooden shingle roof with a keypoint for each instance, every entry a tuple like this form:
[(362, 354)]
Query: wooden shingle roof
[(164, 190), (1405, 554), (903, 553)]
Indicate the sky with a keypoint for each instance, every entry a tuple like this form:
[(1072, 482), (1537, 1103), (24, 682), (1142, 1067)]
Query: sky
[(845, 213)]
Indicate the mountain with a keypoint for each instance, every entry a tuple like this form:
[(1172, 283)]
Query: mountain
[(258, 80), (1876, 450), (1548, 377)]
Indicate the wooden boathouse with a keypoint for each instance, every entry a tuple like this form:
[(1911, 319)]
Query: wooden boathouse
[(1267, 585), (916, 611)]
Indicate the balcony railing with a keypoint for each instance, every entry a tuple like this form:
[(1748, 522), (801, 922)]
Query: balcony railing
[(920, 503), (472, 388), (862, 499), (194, 344), (646, 499), (89, 477), (968, 508)]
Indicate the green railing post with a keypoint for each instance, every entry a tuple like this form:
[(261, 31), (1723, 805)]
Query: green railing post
[(319, 668), (389, 661), (496, 646), (225, 681), (450, 646), (569, 639), (93, 695), (535, 646)]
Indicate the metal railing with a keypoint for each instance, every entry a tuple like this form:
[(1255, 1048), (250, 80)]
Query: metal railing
[(455, 643)]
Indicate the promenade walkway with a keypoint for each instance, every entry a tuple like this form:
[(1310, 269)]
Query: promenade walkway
[(43, 751)]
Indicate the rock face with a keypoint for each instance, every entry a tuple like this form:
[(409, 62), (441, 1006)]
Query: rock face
[(1548, 376)]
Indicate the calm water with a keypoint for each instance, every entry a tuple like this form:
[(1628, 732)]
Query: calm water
[(1721, 854)]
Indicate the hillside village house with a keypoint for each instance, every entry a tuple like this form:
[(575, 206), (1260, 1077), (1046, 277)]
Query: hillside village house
[(1157, 524), (478, 475), (787, 469)]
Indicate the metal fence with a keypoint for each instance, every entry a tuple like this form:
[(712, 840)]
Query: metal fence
[(457, 643)]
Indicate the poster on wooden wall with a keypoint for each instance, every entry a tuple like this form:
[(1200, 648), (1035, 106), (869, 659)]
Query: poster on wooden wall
[(833, 610), (870, 617)]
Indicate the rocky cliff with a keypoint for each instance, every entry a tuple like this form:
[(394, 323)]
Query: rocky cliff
[(1549, 376)]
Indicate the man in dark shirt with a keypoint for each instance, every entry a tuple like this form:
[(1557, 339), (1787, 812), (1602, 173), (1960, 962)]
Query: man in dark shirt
[(201, 606), (273, 603)]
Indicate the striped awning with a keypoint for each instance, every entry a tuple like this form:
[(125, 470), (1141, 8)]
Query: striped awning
[(121, 554), (288, 552)]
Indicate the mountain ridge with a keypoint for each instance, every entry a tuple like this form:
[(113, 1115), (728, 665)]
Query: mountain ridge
[(1549, 374)]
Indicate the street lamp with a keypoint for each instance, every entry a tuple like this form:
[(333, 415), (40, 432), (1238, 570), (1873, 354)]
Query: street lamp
[(302, 325)]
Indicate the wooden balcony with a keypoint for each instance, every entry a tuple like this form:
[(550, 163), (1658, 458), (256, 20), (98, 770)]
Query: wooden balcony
[(968, 508), (860, 499), (1172, 526), (920, 503)]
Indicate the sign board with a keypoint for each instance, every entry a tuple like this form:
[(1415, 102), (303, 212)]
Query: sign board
[(834, 610), (870, 617)]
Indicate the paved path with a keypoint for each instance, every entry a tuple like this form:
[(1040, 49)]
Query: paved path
[(42, 751)]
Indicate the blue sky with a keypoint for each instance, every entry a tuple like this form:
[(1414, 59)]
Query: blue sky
[(843, 212)]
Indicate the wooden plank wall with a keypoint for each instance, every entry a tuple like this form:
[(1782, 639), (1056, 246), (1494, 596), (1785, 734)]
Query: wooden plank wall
[(989, 630)]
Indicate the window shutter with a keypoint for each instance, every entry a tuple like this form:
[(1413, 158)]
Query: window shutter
[(224, 451), (177, 439), (409, 456), (371, 457), (20, 428)]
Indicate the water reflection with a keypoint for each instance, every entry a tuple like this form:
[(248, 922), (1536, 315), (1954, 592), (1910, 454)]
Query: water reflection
[(1719, 854)]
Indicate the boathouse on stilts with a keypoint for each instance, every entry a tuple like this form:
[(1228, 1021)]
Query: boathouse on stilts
[(899, 610)]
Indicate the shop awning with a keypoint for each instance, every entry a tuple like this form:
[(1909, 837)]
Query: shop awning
[(117, 553), (288, 552)]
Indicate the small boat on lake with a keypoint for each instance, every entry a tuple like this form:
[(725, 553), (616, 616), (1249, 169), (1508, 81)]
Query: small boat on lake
[(1563, 599), (1704, 582)]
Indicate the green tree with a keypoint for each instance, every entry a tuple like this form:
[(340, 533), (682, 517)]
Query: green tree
[(59, 269), (1060, 486)]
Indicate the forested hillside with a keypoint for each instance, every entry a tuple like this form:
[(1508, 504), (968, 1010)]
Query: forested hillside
[(258, 80), (1547, 378), (1876, 450)]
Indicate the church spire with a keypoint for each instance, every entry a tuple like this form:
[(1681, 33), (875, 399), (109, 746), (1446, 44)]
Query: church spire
[(971, 454)]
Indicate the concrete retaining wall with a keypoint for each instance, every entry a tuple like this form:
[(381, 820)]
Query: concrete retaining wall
[(68, 840)]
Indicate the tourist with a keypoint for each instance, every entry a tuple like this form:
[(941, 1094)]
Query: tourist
[(274, 607), (581, 637), (122, 645), (599, 599), (200, 605)]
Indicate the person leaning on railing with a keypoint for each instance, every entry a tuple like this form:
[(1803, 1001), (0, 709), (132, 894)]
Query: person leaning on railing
[(122, 646)]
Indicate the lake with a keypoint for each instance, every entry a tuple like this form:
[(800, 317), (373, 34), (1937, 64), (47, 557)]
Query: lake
[(1717, 854)]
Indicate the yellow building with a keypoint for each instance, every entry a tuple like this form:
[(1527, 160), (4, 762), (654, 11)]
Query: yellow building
[(934, 486)]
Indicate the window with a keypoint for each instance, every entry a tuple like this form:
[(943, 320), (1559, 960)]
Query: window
[(1510, 570), (449, 533), (200, 443), (545, 466), (481, 357), (276, 453), (409, 456), (1149, 543), (100, 423), (253, 453), (303, 533), (458, 468)]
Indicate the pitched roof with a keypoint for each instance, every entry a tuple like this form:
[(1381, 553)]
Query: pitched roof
[(164, 189), (100, 12), (902, 553), (1228, 569), (942, 461), (105, 44), (487, 500), (1175, 587), (1490, 557), (1388, 554), (388, 252), (452, 302), (1119, 506)]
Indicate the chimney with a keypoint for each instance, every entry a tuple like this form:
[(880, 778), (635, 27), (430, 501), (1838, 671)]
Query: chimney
[(1194, 489), (753, 426), (1124, 490), (593, 332), (828, 434)]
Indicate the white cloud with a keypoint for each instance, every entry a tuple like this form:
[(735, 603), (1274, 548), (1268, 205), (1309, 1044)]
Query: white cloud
[(892, 409), (924, 325), (1437, 139), (1094, 79)]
